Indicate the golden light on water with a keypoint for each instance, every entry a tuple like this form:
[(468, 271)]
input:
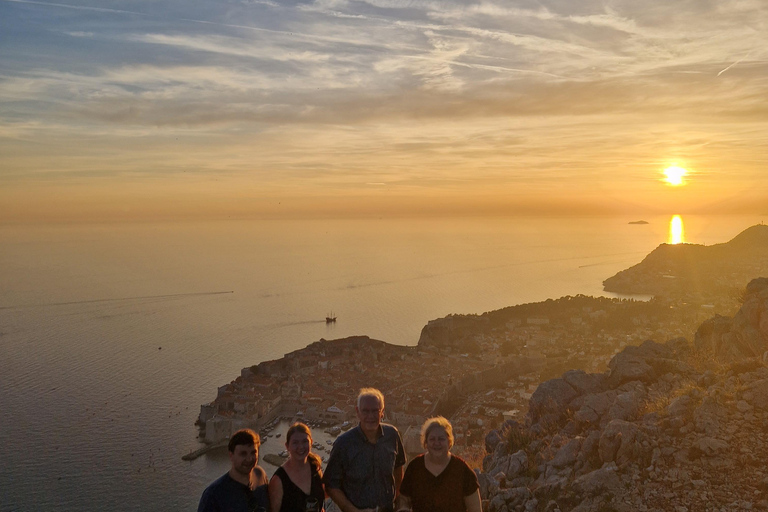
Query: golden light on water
[(676, 230), (674, 175)]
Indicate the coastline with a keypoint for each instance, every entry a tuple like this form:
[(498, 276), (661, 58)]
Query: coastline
[(459, 357)]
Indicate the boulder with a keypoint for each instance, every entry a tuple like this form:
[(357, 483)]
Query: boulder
[(632, 363), (597, 482), (705, 417), (510, 499), (492, 439), (710, 446), (625, 406), (488, 485), (679, 406), (510, 466), (618, 442), (758, 396), (550, 399), (567, 454), (744, 336), (585, 383)]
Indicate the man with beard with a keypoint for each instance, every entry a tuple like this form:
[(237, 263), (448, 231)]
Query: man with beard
[(244, 487)]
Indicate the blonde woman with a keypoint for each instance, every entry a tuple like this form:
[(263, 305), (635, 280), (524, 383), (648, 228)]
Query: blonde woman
[(438, 481)]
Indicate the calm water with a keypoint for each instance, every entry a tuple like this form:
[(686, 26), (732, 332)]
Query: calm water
[(112, 336)]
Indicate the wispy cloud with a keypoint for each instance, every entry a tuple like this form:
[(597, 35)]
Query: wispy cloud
[(358, 93)]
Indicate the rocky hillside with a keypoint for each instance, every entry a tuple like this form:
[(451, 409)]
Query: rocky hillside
[(696, 270), (744, 335), (669, 427)]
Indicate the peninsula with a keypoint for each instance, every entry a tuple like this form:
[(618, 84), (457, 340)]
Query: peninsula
[(481, 369), (693, 272), (477, 370)]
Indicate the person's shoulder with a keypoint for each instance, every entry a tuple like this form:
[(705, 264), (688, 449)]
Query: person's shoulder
[(417, 461), (388, 429), (347, 437), (456, 460), (223, 480), (259, 471), (216, 486), (261, 490), (461, 465), (280, 474)]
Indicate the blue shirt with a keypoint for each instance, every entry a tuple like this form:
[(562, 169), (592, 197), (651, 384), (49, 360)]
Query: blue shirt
[(228, 495), (364, 471)]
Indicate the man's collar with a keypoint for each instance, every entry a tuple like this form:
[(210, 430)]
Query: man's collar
[(365, 438)]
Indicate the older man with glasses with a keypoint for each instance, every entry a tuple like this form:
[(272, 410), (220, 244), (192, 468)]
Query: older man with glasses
[(366, 464)]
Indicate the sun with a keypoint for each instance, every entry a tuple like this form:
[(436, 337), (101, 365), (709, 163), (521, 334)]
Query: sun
[(674, 175)]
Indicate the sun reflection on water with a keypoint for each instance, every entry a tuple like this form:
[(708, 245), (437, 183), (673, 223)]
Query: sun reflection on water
[(676, 230)]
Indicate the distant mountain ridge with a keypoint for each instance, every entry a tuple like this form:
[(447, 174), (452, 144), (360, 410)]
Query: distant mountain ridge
[(694, 269)]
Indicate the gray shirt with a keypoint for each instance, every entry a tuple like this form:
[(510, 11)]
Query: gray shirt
[(364, 470)]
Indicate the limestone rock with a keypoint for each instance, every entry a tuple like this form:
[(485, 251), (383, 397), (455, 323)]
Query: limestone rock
[(759, 394), (599, 481), (568, 454), (549, 400), (617, 442), (711, 446), (653, 433)]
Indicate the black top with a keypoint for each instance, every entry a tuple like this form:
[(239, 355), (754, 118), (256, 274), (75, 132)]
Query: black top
[(294, 498), (228, 495), (442, 493), (364, 471)]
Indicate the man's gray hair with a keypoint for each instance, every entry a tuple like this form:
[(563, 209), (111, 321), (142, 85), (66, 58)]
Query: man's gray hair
[(373, 393)]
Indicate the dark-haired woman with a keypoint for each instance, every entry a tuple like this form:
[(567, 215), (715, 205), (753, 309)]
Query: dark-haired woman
[(297, 485)]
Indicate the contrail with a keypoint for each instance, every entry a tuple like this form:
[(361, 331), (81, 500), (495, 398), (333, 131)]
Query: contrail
[(729, 67), (92, 301), (204, 22), (78, 7)]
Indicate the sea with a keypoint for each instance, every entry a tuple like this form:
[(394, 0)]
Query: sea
[(113, 335)]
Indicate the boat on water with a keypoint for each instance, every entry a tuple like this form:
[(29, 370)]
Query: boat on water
[(346, 426), (331, 318), (335, 431)]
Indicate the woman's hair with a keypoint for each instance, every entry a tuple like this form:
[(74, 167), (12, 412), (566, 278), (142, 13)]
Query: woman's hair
[(301, 427), (297, 427), (433, 423)]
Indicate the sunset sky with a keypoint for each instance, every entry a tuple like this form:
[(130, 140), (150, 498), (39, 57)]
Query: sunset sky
[(115, 109)]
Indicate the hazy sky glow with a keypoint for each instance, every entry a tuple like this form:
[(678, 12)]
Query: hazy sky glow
[(175, 108)]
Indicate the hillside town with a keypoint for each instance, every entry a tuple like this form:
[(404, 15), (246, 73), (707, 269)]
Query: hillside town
[(478, 370)]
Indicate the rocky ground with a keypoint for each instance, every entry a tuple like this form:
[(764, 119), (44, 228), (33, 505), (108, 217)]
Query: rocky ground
[(677, 426)]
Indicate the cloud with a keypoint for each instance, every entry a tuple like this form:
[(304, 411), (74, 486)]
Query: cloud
[(414, 94)]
